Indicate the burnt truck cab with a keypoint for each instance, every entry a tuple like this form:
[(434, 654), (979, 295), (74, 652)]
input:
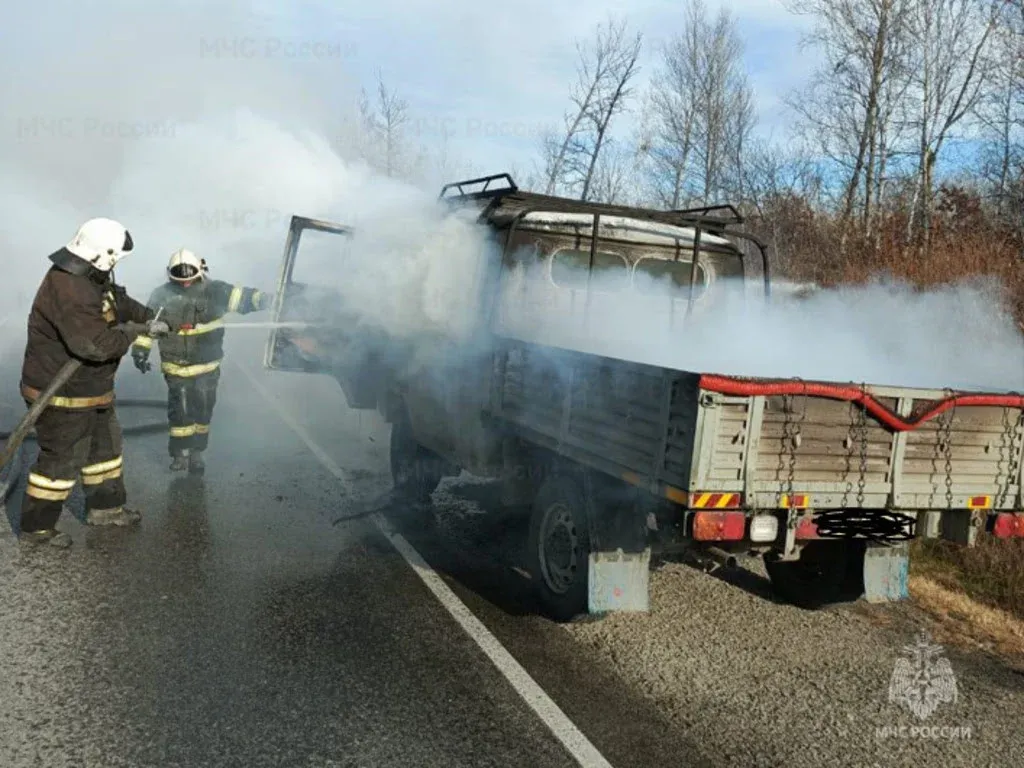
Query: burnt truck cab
[(556, 266), (546, 278)]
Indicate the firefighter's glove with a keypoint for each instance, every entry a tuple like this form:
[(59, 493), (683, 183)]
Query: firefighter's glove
[(157, 329), (141, 359)]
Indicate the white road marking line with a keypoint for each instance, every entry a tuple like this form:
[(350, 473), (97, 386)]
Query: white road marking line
[(584, 752)]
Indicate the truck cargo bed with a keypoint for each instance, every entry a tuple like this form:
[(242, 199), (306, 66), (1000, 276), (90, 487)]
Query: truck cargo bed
[(765, 444)]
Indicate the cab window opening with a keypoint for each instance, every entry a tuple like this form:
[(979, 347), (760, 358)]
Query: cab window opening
[(570, 268)]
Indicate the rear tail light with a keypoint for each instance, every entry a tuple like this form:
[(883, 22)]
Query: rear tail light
[(1008, 525), (719, 526), (764, 528)]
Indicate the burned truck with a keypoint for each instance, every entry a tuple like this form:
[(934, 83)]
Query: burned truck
[(612, 458)]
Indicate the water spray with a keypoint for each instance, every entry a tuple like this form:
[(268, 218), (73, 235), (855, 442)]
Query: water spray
[(271, 324)]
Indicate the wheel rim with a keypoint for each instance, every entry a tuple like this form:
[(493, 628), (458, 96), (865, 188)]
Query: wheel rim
[(559, 548)]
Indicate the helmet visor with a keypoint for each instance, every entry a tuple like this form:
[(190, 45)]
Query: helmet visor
[(184, 272)]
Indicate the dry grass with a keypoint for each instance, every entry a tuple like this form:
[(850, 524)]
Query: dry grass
[(991, 573), (958, 618), (966, 243)]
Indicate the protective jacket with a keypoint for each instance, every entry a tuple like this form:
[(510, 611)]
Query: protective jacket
[(72, 317), (197, 312)]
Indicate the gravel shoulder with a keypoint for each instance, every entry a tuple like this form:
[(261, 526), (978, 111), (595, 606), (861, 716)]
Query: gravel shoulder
[(757, 683)]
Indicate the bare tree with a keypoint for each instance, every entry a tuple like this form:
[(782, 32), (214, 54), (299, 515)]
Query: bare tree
[(606, 68), (674, 91), (850, 107), (617, 174), (385, 122), (1000, 113), (612, 99), (725, 114), (703, 111), (951, 40), (773, 172), (737, 128)]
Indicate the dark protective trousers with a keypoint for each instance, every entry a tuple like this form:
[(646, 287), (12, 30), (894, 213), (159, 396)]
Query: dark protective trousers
[(74, 444), (190, 401)]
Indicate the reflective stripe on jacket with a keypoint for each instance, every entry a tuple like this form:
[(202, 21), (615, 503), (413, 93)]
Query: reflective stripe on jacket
[(198, 312), (71, 318)]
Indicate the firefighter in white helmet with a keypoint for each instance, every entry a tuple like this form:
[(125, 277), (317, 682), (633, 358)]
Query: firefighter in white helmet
[(190, 358), (73, 317)]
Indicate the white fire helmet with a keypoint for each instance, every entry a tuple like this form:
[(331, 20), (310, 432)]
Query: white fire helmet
[(185, 266), (102, 243)]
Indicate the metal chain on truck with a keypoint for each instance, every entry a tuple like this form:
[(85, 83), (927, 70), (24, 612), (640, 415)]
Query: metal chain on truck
[(946, 438), (787, 400), (1011, 429), (791, 437), (848, 444), (862, 428)]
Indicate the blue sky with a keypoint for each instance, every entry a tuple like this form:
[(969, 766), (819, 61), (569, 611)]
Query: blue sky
[(494, 75)]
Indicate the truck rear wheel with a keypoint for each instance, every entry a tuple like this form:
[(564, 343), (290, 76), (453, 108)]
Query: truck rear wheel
[(559, 548), (415, 471), (820, 576)]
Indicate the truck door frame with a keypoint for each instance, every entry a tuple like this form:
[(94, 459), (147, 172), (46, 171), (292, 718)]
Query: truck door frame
[(296, 227)]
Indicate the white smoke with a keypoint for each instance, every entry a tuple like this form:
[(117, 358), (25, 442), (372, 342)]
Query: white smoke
[(186, 121), (882, 333)]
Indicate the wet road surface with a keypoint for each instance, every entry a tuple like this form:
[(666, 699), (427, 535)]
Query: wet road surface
[(237, 626)]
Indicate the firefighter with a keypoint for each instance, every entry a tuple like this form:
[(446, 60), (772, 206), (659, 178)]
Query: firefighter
[(190, 358), (71, 317)]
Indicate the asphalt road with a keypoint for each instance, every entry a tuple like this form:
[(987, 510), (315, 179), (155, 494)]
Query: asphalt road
[(237, 626)]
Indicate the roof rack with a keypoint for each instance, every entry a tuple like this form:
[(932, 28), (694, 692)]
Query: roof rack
[(509, 205), (485, 192), (705, 211)]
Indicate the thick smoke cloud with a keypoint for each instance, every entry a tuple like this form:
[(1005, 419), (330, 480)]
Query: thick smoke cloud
[(882, 333), (192, 122)]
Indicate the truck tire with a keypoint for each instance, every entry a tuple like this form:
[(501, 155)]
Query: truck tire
[(559, 548), (819, 577), (415, 472)]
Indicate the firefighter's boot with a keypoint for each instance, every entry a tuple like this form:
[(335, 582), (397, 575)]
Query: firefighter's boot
[(115, 516), (52, 537), (196, 465), (179, 462)]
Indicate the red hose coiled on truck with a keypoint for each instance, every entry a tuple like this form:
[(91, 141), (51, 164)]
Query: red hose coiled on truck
[(726, 385)]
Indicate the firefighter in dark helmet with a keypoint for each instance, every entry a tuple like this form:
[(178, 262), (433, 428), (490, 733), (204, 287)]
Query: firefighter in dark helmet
[(73, 317), (190, 358)]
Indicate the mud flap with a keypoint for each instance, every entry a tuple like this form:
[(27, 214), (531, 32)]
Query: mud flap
[(886, 572), (618, 581)]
